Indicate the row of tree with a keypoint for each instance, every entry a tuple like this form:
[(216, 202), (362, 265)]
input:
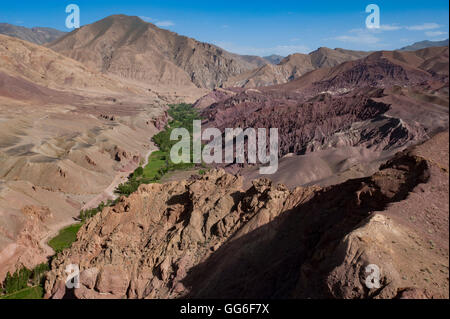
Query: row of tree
[(24, 277)]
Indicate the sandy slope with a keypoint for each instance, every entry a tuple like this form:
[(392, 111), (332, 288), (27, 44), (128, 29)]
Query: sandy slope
[(67, 134), (134, 49), (120, 178), (209, 237)]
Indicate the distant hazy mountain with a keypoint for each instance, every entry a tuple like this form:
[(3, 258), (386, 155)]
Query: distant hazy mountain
[(425, 44), (293, 66), (36, 35), (274, 58), (257, 61), (260, 61)]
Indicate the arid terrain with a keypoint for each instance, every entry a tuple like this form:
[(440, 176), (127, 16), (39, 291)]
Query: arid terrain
[(65, 133), (70, 132), (134, 49), (344, 121), (212, 238), (362, 177), (36, 35), (293, 67)]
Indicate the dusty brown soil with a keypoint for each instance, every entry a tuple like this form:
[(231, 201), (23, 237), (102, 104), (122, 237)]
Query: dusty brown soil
[(340, 122), (210, 238), (133, 49), (67, 134)]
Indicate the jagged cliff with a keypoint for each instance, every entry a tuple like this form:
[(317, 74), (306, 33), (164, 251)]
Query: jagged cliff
[(209, 238)]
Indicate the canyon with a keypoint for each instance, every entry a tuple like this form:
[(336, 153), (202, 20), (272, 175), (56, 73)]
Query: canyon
[(362, 175), (211, 238)]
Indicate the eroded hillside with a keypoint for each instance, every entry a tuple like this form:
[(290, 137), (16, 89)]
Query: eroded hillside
[(67, 135), (210, 237), (340, 122), (133, 49)]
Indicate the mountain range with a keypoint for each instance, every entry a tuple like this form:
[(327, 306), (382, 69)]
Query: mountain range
[(425, 44), (36, 35), (274, 58), (362, 176), (293, 66), (137, 50)]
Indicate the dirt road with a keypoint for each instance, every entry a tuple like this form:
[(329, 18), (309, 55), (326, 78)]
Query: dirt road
[(108, 193), (120, 178)]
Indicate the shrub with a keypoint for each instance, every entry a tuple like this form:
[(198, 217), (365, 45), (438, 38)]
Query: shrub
[(17, 281), (139, 171)]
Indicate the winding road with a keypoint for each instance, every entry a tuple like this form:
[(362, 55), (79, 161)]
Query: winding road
[(108, 193)]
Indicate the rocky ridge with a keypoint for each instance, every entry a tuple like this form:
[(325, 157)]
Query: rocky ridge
[(293, 67), (382, 103), (133, 49), (35, 35), (209, 237)]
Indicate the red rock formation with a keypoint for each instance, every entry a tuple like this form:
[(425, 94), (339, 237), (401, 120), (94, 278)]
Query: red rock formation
[(385, 102)]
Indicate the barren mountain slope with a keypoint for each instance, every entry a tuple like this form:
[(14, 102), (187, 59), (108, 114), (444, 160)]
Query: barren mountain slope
[(36, 35), (340, 122), (425, 44), (67, 133), (379, 69), (210, 238), (274, 58), (134, 49), (44, 67), (293, 67), (257, 61)]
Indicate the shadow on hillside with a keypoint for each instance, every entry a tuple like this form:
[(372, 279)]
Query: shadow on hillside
[(267, 262)]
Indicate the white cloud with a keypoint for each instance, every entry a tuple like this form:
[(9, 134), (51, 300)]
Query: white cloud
[(423, 26), (388, 27), (147, 19), (283, 50), (166, 23), (382, 28), (395, 27), (361, 36), (435, 33)]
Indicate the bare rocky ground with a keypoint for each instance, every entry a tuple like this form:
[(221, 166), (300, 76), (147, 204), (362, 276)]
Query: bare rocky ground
[(209, 237), (61, 158), (70, 132), (293, 67), (134, 49), (340, 122), (67, 134), (368, 196)]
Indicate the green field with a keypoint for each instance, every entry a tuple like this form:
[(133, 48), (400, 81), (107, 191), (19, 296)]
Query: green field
[(159, 162), (156, 161), (65, 238), (27, 293), (15, 285)]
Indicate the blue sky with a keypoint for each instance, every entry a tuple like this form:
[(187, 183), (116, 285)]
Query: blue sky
[(259, 27)]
